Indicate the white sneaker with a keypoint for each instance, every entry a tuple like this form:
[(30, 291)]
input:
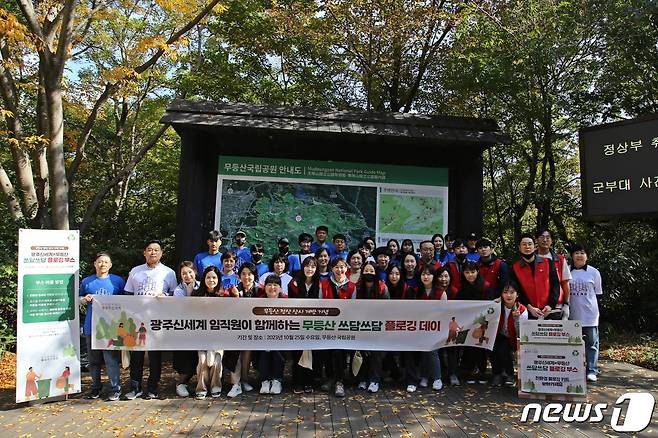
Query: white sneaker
[(424, 382), (411, 388), (200, 395), (247, 387), (235, 391), (373, 387), (276, 387), (437, 384), (362, 385), (132, 395), (181, 390), (216, 391), (265, 387), (591, 377)]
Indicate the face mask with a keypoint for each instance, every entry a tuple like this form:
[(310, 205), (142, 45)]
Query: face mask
[(256, 257), (283, 249), (369, 277), (460, 257), (528, 257)]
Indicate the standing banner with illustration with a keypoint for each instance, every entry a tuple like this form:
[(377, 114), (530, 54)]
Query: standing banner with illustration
[(270, 198), (48, 329), (191, 323), (552, 358)]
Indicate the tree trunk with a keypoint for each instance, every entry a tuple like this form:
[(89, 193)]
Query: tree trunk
[(59, 200), (12, 200)]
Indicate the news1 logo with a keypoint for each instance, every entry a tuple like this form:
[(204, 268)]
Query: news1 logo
[(637, 418)]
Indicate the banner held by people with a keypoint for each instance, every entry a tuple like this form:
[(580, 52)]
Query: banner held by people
[(149, 323)]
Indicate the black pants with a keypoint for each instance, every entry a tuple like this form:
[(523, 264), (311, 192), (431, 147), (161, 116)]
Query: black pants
[(473, 358), (502, 356), (300, 376), (137, 370)]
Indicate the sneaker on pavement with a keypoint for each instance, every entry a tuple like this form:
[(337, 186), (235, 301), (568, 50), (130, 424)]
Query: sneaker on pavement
[(362, 385), (247, 387), (308, 389), (235, 391), (454, 380), (276, 387), (373, 387), (114, 396), (151, 395), (437, 384), (591, 377), (93, 394), (298, 389), (470, 380), (340, 390), (200, 395), (132, 395), (265, 387), (411, 388), (510, 381), (216, 391), (497, 380), (424, 382), (481, 378), (181, 390)]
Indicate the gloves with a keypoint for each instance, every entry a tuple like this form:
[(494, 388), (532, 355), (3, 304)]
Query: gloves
[(565, 311)]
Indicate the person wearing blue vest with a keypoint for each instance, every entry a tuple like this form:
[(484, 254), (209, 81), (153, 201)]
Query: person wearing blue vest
[(321, 234), (101, 283), (241, 249), (295, 260)]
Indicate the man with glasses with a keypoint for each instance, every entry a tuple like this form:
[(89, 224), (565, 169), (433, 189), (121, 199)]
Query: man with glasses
[(537, 278), (544, 249)]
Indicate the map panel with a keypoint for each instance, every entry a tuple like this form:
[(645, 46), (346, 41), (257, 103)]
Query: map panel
[(410, 214)]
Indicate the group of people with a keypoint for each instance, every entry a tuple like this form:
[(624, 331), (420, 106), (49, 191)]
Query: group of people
[(540, 284)]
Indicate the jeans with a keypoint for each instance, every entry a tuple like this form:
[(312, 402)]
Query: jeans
[(430, 365), (591, 335), (111, 359)]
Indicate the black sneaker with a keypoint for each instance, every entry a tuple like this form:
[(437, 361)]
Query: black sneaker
[(94, 394), (114, 396), (151, 396)]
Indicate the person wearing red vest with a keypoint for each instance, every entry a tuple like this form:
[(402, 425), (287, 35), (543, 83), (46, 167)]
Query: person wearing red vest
[(544, 249), (456, 266), (511, 312), (427, 256), (338, 287), (539, 286), (494, 270)]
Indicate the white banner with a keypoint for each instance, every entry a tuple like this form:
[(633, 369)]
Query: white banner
[(552, 358), (192, 323), (48, 329)]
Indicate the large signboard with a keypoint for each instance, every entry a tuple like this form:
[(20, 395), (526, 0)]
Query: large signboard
[(48, 332), (551, 358), (270, 198), (191, 323), (619, 169)]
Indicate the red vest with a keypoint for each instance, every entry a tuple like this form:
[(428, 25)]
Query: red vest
[(331, 291), (511, 327), (490, 273), (558, 267), (381, 287), (536, 287), (455, 276)]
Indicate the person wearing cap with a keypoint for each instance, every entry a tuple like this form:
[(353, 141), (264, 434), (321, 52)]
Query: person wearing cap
[(492, 269), (212, 257), (284, 246), (448, 239), (472, 254), (241, 249), (539, 286), (295, 260), (586, 290), (544, 249), (321, 234)]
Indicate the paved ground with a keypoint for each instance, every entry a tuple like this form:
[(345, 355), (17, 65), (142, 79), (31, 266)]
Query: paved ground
[(472, 410)]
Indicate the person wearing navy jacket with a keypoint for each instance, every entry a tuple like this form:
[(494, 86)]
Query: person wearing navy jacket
[(456, 266)]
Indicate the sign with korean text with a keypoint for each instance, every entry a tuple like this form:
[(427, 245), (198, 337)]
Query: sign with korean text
[(191, 323), (552, 358), (269, 198), (48, 329), (619, 169), (551, 332)]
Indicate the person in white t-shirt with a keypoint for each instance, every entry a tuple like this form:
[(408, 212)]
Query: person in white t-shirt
[(156, 280), (586, 289)]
